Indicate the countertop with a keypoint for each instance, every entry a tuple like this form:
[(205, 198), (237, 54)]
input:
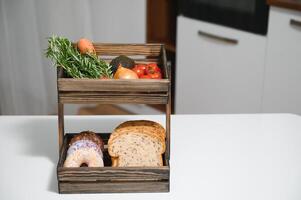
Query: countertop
[(290, 4), (213, 157)]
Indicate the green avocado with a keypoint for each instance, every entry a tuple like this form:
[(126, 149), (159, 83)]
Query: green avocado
[(122, 60)]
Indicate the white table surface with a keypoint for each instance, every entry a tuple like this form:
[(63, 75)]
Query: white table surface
[(213, 157)]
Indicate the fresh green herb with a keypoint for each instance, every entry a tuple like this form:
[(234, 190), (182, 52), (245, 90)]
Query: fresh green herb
[(62, 52)]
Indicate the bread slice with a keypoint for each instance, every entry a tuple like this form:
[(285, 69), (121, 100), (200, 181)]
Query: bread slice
[(143, 126), (136, 149), (136, 144)]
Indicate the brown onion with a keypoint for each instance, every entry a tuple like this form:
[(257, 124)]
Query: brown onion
[(124, 73)]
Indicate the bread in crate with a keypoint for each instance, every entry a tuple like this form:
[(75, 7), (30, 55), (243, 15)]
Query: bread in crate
[(137, 143), (106, 179), (85, 148)]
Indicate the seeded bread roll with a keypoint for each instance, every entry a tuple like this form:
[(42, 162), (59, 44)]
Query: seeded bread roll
[(137, 144)]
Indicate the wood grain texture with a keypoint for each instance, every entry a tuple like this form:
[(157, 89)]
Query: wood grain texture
[(63, 150), (165, 70), (117, 99), (138, 60), (91, 174), (168, 113), (85, 94), (112, 91), (139, 85), (114, 187), (290, 4), (127, 49), (61, 128), (110, 179), (113, 98)]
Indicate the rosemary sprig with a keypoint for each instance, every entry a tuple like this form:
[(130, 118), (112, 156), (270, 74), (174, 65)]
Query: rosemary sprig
[(61, 51)]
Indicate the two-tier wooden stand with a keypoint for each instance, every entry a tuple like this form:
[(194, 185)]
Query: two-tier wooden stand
[(142, 91)]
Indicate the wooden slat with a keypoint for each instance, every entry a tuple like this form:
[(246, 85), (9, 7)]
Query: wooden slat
[(85, 174), (164, 63), (127, 49), (138, 60), (114, 187), (168, 113), (70, 84), (115, 99), (61, 124), (96, 94), (60, 113), (109, 97), (63, 151)]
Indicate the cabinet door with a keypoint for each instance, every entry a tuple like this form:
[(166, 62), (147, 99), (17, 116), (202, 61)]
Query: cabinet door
[(282, 88), (219, 69)]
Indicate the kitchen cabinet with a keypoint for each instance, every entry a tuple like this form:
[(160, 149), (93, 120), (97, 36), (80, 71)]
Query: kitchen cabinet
[(219, 69), (282, 83)]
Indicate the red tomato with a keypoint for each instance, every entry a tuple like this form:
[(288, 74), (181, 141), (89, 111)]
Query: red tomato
[(138, 71), (156, 75), (152, 64), (152, 68), (147, 76), (141, 66), (149, 71)]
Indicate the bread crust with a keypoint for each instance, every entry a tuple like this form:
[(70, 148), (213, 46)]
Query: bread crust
[(143, 126), (150, 128)]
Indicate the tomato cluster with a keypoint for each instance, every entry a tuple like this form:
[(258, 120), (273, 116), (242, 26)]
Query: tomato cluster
[(148, 71)]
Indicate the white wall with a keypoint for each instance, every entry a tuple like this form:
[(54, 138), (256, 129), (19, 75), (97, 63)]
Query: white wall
[(27, 79)]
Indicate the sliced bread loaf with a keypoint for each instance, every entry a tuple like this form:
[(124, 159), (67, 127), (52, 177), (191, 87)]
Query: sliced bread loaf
[(143, 126), (137, 143)]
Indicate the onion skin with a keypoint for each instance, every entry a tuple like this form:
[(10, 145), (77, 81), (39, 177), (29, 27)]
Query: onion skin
[(85, 46), (124, 73)]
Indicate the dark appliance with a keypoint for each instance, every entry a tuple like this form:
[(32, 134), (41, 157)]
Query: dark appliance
[(247, 15)]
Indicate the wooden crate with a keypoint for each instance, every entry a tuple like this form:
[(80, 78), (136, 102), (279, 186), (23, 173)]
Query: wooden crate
[(115, 179)]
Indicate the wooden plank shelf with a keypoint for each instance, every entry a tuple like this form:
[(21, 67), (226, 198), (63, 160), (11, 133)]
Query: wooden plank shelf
[(115, 99), (85, 179), (109, 179), (139, 85)]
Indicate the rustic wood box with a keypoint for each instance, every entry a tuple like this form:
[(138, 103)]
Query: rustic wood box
[(142, 91)]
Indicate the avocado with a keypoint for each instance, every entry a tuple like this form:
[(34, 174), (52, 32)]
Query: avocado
[(122, 60)]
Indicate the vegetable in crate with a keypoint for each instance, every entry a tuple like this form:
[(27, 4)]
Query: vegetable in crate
[(149, 71), (122, 60), (85, 46), (62, 52), (140, 69), (124, 73)]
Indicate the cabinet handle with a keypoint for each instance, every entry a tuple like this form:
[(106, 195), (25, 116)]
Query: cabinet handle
[(295, 22), (217, 37)]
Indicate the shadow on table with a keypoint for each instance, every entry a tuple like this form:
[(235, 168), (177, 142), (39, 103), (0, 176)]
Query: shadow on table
[(40, 137)]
